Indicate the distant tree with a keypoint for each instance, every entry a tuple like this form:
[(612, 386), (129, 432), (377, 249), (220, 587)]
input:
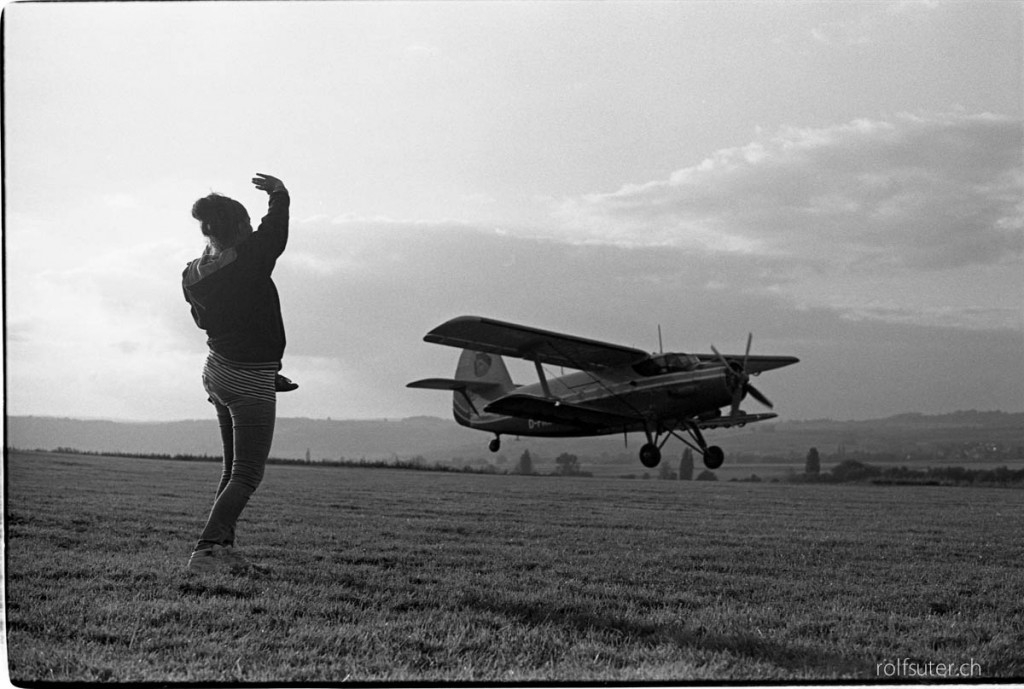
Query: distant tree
[(813, 466), (686, 466), (706, 475), (665, 472), (525, 463), (568, 464)]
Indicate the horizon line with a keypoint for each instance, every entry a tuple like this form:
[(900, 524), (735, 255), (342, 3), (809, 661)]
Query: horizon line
[(448, 418)]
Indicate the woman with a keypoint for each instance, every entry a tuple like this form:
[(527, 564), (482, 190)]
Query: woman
[(233, 299)]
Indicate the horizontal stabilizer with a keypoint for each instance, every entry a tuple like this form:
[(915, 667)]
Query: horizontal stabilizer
[(455, 385), (553, 411), (737, 420)]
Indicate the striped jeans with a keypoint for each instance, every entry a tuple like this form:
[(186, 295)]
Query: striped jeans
[(246, 404)]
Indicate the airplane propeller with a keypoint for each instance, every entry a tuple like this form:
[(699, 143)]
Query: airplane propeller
[(740, 380)]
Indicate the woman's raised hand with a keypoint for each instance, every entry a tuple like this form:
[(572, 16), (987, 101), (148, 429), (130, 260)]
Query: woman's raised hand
[(268, 183)]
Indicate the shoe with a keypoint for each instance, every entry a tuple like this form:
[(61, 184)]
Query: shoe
[(282, 384), (218, 558), (208, 560)]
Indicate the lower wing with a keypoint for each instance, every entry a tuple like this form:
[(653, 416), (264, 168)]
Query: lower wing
[(554, 411), (737, 420)]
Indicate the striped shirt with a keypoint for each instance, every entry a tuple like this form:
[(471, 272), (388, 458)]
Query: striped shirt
[(255, 380)]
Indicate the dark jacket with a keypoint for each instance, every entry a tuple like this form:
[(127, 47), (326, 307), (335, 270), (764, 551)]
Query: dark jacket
[(232, 296)]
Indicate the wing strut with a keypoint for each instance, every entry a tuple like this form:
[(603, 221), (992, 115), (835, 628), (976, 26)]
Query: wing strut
[(543, 378), (595, 379)]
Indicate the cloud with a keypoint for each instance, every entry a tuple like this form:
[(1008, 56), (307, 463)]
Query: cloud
[(885, 254), (912, 192), (112, 327), (365, 326), (417, 274), (966, 318), (865, 26), (115, 334)]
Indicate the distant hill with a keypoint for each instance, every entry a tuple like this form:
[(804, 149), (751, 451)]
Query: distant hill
[(961, 434), (351, 439), (966, 434)]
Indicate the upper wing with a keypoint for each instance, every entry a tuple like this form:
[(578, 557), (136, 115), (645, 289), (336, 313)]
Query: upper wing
[(755, 363), (508, 339)]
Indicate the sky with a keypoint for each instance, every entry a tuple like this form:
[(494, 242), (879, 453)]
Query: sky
[(843, 180)]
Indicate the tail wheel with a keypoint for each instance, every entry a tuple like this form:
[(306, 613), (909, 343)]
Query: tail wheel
[(650, 455), (494, 445), (713, 457)]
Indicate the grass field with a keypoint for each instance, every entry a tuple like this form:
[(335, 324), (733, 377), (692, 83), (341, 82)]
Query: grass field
[(387, 575)]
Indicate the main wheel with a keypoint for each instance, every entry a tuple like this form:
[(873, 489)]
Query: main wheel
[(650, 455), (713, 457), (494, 445)]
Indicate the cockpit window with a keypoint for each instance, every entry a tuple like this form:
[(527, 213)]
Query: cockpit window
[(660, 364)]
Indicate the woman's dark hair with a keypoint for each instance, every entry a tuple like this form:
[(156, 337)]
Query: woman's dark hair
[(220, 218)]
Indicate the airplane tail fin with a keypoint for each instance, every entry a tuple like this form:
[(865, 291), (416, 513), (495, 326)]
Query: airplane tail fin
[(486, 379), (479, 380)]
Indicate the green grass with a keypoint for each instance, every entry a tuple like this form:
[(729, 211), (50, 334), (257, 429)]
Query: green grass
[(385, 575)]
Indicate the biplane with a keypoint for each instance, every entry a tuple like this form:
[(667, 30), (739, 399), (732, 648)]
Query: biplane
[(612, 389)]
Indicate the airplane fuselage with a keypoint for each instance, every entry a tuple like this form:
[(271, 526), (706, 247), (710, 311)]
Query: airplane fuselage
[(666, 397)]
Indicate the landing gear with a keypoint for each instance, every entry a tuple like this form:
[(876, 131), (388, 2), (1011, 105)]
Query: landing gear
[(713, 457), (495, 444), (650, 455), (713, 454)]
